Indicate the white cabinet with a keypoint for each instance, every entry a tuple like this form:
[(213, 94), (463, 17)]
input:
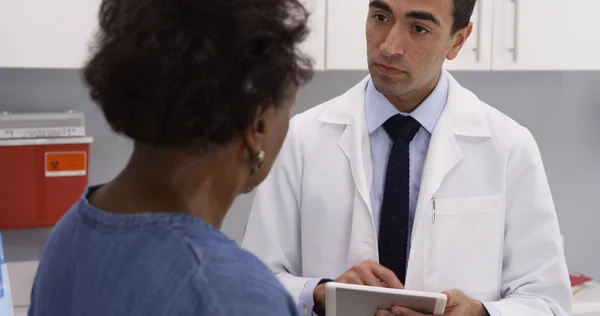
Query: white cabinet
[(58, 33), (546, 35), (346, 46), (507, 34), (314, 45), (476, 53), (46, 34)]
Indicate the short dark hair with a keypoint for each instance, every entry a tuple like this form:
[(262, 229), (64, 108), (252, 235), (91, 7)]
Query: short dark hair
[(463, 9), (192, 73)]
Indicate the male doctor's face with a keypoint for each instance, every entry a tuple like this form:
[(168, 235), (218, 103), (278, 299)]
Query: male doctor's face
[(408, 42)]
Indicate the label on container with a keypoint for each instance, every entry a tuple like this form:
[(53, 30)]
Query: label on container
[(66, 164), (45, 132)]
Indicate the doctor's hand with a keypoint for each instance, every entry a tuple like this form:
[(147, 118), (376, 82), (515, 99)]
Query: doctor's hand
[(367, 272), (458, 304)]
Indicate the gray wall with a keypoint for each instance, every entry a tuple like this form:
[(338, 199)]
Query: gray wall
[(562, 109)]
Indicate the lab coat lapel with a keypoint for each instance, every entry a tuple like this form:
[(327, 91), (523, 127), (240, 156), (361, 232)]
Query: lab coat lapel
[(354, 143), (443, 154), (363, 238), (462, 116)]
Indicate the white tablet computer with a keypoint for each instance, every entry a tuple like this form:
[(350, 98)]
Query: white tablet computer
[(360, 300)]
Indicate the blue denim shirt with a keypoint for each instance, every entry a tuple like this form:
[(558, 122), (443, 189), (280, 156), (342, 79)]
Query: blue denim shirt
[(97, 264)]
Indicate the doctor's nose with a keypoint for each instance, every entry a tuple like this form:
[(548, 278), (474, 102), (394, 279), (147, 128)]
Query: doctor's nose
[(394, 43)]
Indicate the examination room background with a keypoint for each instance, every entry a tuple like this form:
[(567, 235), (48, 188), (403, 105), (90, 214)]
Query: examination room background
[(562, 109)]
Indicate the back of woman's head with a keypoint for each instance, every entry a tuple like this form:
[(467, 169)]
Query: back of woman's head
[(189, 74)]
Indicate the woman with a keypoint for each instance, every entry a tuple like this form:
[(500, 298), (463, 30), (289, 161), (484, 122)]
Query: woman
[(204, 90)]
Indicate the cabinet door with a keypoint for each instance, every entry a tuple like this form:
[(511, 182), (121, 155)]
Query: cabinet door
[(314, 45), (546, 35), (346, 39), (46, 34), (476, 53)]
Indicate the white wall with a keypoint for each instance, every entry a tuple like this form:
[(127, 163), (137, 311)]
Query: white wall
[(561, 109)]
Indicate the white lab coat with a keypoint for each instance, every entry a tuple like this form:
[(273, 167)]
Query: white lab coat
[(493, 232)]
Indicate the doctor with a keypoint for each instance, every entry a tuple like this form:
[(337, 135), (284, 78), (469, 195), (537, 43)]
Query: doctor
[(409, 180)]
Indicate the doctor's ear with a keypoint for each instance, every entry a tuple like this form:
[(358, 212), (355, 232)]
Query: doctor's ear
[(458, 40)]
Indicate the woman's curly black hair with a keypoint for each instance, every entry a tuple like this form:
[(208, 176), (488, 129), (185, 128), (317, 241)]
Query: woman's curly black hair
[(192, 73)]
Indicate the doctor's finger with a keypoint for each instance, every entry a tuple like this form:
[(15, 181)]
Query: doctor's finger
[(351, 277), (384, 312), (450, 301), (399, 310), (368, 277), (387, 276)]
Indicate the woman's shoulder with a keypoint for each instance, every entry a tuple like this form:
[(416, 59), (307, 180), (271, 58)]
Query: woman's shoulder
[(235, 282), (226, 261)]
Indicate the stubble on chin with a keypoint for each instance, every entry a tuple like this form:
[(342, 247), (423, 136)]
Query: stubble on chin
[(388, 86)]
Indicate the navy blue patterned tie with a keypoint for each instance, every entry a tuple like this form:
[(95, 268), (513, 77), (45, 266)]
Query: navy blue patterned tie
[(394, 216)]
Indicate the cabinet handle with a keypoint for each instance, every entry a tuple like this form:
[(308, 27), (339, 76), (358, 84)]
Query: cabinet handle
[(477, 48), (514, 50)]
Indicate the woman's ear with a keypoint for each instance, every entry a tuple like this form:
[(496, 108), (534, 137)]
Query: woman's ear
[(255, 136)]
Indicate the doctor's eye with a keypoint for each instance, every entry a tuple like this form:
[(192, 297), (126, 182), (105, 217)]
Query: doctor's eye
[(421, 30), (380, 17)]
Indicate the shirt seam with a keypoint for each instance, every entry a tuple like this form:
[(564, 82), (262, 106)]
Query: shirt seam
[(171, 300)]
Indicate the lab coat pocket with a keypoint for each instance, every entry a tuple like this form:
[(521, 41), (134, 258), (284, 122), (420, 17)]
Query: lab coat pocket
[(467, 244)]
